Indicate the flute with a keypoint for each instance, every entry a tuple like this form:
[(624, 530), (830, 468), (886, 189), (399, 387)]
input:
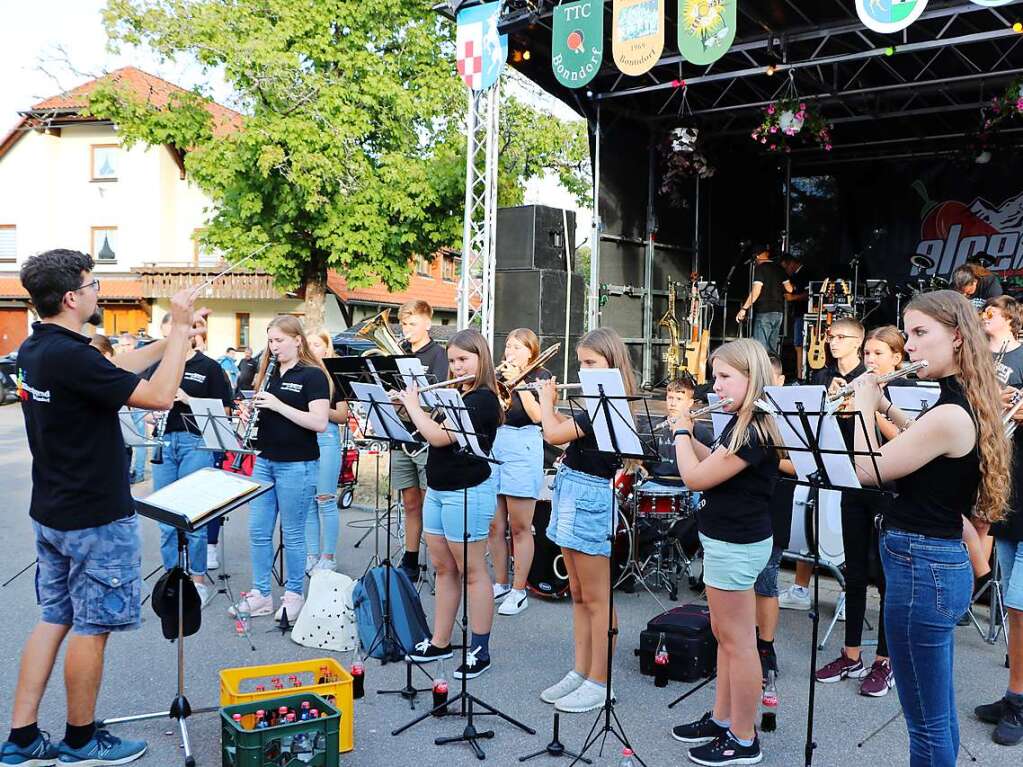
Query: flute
[(835, 402), (698, 412), (537, 385), (442, 384)]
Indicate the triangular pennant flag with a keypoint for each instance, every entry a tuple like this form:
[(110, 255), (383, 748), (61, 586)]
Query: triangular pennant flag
[(577, 42), (637, 34), (706, 29)]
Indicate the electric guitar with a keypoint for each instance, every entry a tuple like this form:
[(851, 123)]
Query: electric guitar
[(816, 350)]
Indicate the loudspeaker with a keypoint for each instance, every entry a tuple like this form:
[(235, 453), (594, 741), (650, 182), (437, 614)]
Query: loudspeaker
[(556, 366), (533, 237), (535, 299)]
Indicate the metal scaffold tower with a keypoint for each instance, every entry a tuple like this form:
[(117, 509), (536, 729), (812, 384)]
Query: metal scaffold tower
[(476, 287)]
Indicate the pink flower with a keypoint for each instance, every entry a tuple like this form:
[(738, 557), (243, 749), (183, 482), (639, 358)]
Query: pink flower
[(774, 129), (800, 115), (770, 109), (763, 140), (772, 147), (827, 147), (753, 135), (802, 107)]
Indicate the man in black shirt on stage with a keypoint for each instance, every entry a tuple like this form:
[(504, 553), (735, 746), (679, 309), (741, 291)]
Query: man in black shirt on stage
[(770, 284), (87, 537)]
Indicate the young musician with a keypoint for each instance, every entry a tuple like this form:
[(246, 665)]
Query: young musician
[(86, 533), (460, 484), (293, 408), (964, 281), (884, 350), (953, 462), (408, 473), (519, 448), (323, 511), (581, 520), (183, 455), (737, 477), (678, 399)]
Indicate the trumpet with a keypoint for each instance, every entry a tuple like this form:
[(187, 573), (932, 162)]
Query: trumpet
[(698, 412), (836, 401)]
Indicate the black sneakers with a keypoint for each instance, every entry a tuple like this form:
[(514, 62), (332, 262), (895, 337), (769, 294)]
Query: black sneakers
[(703, 730), (990, 713), (473, 666), (727, 750), (426, 651), (1009, 731)]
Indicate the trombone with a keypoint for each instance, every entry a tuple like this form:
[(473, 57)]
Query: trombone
[(835, 402), (505, 388)]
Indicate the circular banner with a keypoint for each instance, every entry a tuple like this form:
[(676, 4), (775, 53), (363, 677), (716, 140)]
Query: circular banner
[(887, 16)]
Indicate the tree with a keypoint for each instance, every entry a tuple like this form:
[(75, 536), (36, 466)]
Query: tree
[(351, 154)]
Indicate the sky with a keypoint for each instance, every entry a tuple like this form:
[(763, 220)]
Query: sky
[(33, 68)]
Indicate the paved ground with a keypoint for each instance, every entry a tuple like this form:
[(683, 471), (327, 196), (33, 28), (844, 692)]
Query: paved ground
[(530, 651)]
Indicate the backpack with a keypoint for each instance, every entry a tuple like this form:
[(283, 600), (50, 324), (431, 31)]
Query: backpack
[(410, 626), (327, 620)]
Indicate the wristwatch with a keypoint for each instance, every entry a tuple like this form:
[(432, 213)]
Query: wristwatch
[(681, 433)]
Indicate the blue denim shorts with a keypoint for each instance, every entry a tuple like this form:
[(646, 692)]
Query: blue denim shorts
[(734, 566), (520, 450), (767, 582), (444, 511), (581, 512), (90, 579), (1010, 558)]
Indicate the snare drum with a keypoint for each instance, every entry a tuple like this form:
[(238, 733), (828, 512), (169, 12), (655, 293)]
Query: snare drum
[(655, 501)]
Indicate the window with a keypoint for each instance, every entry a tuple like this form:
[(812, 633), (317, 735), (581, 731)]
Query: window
[(104, 244), (450, 267), (104, 161), (241, 327), (8, 242), (423, 266)]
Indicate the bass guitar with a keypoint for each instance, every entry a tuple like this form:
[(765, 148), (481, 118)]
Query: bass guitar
[(816, 350)]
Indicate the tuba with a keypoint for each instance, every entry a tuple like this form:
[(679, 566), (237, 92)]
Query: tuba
[(378, 331), (507, 386)]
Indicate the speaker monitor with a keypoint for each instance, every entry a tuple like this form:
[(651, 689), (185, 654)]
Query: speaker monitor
[(533, 237), (535, 299)]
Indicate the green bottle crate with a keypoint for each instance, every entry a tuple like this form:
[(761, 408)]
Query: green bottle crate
[(312, 743)]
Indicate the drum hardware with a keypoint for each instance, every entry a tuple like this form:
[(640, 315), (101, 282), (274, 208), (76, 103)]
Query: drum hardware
[(921, 262)]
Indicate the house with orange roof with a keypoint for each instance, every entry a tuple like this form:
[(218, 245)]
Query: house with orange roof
[(67, 181)]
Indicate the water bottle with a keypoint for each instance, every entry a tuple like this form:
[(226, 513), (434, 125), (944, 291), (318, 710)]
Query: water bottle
[(627, 760), (440, 691), (769, 705), (242, 617), (661, 661), (358, 679)]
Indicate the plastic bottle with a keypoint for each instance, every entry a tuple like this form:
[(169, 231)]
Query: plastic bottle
[(358, 678), (323, 677), (769, 705), (242, 617), (661, 663), (238, 721), (440, 690), (627, 760)]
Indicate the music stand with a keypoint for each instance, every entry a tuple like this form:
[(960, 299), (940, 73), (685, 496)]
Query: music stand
[(608, 409), (459, 424), (175, 505), (810, 433), (132, 436)]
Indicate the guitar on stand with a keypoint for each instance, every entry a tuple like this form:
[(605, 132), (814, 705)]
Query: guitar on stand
[(698, 343), (816, 350)]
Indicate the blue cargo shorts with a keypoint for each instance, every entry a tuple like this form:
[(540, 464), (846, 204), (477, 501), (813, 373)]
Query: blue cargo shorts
[(90, 579)]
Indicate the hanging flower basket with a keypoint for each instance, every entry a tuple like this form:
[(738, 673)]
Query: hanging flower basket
[(1004, 108), (683, 159), (790, 122)]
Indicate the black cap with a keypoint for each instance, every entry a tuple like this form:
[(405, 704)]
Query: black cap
[(165, 603)]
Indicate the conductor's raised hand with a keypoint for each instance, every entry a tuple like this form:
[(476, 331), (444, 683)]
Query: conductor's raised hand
[(184, 314)]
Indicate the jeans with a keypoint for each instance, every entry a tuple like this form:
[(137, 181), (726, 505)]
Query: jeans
[(767, 329), (325, 513), (292, 494), (139, 454), (181, 457), (858, 533), (929, 584)]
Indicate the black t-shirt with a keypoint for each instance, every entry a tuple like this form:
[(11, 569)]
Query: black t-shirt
[(738, 510), (988, 286), (205, 378), (247, 369), (449, 468), (280, 439), (801, 279), (434, 359), (781, 510), (70, 395), (517, 415), (772, 292), (581, 453)]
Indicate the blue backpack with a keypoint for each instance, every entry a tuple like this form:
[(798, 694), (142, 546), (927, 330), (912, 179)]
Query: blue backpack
[(407, 616)]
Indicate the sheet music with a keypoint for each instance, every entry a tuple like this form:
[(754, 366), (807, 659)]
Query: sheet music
[(413, 371), (201, 493), (719, 420), (839, 467), (627, 441), (913, 400), (217, 432), (383, 418), (458, 422)]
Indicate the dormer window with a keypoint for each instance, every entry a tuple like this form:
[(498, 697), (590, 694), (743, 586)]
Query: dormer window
[(104, 244), (104, 161)]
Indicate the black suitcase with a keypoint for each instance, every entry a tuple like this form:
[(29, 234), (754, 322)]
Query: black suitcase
[(692, 649)]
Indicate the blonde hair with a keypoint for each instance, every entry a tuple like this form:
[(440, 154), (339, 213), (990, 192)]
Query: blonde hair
[(609, 345), (292, 326), (415, 306), (527, 338), (328, 342), (472, 341), (977, 378), (750, 359), (891, 337)]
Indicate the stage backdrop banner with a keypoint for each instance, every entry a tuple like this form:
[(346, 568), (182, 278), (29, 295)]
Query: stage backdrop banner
[(578, 42), (637, 34), (706, 29), (481, 51), (889, 16)]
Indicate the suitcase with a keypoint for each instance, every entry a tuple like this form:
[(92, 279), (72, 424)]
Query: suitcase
[(692, 649)]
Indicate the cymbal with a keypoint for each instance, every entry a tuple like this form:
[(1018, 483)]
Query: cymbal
[(983, 259), (921, 261)]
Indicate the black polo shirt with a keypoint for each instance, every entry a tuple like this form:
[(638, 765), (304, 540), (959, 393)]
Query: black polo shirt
[(203, 377), (70, 395), (280, 439), (449, 468)]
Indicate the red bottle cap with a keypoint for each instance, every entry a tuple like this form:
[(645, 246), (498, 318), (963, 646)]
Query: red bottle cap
[(237, 717), (626, 752), (282, 710), (305, 704)]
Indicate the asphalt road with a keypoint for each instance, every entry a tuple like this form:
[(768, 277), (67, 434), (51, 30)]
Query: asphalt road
[(530, 651)]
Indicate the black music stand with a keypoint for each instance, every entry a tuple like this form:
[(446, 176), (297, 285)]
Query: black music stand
[(615, 431), (463, 431), (180, 709)]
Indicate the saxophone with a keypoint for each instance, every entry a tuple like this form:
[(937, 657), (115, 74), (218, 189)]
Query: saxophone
[(673, 356)]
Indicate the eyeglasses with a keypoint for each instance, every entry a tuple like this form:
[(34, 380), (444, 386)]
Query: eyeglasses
[(839, 337), (89, 285)]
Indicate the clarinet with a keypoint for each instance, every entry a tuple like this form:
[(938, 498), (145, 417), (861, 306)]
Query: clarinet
[(159, 428), (252, 427)]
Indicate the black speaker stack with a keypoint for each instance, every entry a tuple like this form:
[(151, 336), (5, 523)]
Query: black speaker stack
[(531, 283)]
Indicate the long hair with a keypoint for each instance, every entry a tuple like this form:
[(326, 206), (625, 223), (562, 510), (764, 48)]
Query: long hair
[(891, 337), (750, 358), (328, 342), (977, 378), (1009, 307), (609, 345), (473, 341), (527, 338), (292, 326)]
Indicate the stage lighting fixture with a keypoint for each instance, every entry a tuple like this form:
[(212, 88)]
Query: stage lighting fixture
[(771, 69), (1017, 27)]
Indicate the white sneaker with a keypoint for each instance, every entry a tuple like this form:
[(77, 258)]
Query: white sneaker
[(570, 683), (291, 602), (311, 561), (326, 564), (514, 603), (257, 604), (212, 562), (587, 697), (841, 612), (794, 598), (205, 594), (500, 589)]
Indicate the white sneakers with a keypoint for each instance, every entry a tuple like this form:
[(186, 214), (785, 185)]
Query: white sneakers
[(794, 598), (212, 561), (324, 564), (257, 605), (205, 594), (586, 697), (571, 681), (514, 602), (500, 589), (291, 602), (311, 560)]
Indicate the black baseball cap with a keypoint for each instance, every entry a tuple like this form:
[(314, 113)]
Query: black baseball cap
[(165, 603)]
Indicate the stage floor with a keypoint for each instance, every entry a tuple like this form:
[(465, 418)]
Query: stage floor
[(530, 651)]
